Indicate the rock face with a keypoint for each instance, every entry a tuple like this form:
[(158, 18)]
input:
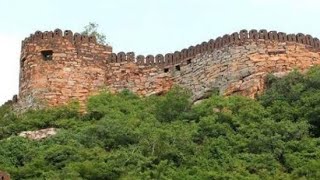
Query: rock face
[(57, 68), (39, 134)]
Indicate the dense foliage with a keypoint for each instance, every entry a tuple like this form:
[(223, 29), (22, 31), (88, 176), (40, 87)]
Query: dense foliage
[(166, 137)]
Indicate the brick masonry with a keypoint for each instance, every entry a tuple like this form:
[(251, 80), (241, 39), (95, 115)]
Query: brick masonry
[(57, 67)]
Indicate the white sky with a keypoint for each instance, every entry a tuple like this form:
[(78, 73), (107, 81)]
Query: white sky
[(145, 26)]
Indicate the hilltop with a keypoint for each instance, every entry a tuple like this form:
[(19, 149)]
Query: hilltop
[(125, 136)]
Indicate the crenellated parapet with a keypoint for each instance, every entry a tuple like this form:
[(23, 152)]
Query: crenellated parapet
[(176, 57), (57, 34), (58, 43), (236, 38)]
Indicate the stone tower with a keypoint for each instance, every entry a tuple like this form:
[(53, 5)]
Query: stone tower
[(57, 67)]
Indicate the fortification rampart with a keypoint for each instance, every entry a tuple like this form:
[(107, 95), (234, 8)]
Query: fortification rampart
[(58, 67), (236, 38)]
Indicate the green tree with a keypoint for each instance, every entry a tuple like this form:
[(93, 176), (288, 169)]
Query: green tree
[(92, 30), (173, 105)]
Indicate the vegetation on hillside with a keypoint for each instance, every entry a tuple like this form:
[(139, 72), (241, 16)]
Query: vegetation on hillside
[(124, 136)]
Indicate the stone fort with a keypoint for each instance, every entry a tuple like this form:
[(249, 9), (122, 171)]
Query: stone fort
[(57, 67)]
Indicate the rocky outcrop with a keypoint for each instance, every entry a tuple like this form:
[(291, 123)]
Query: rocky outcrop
[(39, 134)]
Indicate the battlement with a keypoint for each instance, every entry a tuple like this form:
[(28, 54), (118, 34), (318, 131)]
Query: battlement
[(214, 44), (76, 38), (176, 57), (58, 67)]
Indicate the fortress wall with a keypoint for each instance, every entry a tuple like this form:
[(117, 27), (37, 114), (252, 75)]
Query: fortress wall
[(140, 79), (234, 64), (236, 38), (78, 66), (242, 69)]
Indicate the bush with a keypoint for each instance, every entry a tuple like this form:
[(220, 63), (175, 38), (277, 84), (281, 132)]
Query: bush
[(173, 105)]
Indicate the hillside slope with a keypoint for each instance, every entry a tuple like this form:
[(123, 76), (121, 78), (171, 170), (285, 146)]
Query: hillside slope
[(124, 136)]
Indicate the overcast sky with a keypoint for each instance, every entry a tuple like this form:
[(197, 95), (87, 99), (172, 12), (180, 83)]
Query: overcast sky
[(145, 26)]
